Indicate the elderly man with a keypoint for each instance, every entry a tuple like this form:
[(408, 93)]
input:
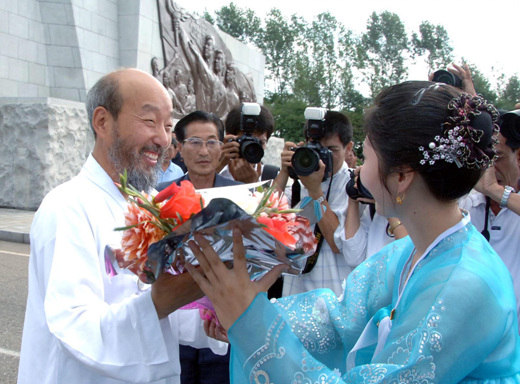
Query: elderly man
[(80, 325)]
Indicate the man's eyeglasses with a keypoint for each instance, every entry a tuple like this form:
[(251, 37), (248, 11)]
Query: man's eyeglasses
[(196, 143)]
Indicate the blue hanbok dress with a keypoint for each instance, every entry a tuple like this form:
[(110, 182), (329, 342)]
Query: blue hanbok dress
[(452, 319)]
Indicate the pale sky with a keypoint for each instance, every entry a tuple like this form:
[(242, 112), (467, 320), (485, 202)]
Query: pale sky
[(484, 32)]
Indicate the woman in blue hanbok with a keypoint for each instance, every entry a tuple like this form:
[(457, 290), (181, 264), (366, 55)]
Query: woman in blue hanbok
[(434, 307)]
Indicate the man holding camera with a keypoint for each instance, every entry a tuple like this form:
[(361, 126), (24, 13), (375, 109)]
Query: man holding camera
[(248, 128), (329, 136), (495, 208), (200, 134)]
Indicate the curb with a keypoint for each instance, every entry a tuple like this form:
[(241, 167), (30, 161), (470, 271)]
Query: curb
[(14, 237)]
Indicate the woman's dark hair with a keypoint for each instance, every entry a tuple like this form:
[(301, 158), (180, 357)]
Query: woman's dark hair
[(205, 117), (413, 115)]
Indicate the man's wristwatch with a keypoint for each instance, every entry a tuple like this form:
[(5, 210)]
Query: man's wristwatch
[(505, 196), (320, 199)]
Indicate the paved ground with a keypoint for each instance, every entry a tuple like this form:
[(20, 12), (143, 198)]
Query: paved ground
[(14, 258)]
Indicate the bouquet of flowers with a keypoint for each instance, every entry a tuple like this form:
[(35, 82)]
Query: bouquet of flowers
[(159, 227)]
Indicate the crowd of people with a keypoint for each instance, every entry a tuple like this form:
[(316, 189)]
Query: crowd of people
[(415, 277)]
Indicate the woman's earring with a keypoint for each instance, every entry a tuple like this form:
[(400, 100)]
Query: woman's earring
[(399, 199)]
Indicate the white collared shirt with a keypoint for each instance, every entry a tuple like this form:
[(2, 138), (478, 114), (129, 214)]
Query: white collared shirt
[(504, 232), (331, 268), (80, 325)]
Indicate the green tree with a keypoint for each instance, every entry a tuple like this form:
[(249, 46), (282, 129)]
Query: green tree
[(432, 41), (509, 95), (243, 24), (382, 51), (288, 112), (482, 84), (277, 41)]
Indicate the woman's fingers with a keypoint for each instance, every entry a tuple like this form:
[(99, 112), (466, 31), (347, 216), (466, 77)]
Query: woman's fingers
[(270, 277), (239, 252)]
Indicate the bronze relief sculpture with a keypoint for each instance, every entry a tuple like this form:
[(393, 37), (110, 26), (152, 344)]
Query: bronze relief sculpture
[(199, 72)]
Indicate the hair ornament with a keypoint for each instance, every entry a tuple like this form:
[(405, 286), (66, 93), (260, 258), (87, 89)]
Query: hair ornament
[(467, 135)]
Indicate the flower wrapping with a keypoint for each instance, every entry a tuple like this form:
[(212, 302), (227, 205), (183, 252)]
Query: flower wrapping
[(158, 229)]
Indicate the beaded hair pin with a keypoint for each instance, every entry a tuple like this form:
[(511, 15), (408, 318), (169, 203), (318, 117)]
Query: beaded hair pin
[(467, 132)]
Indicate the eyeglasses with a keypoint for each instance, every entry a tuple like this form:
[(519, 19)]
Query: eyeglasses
[(196, 143)]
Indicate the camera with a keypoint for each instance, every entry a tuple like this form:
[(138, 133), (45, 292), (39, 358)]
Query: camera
[(443, 76), (250, 147), (356, 192), (306, 159)]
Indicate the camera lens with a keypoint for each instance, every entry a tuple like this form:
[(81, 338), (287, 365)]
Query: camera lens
[(305, 161), (252, 151), (442, 76), (355, 192)]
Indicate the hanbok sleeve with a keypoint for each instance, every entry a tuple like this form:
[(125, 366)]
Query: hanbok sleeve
[(454, 321), (308, 335)]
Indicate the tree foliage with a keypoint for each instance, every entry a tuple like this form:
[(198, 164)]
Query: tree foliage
[(432, 42), (323, 63), (382, 51), (240, 23)]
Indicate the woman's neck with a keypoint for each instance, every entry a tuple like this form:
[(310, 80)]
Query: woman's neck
[(426, 224)]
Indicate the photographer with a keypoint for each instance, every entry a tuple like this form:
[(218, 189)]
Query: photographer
[(232, 163), (330, 267), (458, 76), (494, 204)]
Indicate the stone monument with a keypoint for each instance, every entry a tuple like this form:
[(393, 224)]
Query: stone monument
[(53, 51)]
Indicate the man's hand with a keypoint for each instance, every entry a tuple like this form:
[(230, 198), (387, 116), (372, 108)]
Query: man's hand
[(488, 185), (287, 155), (243, 171), (313, 182), (230, 150), (464, 73), (215, 331), (171, 292)]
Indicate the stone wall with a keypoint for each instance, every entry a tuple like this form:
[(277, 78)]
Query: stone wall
[(52, 52), (44, 143)]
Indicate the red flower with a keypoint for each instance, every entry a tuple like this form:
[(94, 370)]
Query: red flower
[(166, 193), (183, 204), (278, 229)]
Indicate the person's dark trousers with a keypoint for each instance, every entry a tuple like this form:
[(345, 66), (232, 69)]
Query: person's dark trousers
[(201, 366)]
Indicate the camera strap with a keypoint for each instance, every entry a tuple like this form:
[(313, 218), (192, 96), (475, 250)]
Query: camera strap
[(485, 231), (313, 259)]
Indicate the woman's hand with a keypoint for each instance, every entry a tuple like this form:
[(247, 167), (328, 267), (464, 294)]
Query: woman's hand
[(230, 290)]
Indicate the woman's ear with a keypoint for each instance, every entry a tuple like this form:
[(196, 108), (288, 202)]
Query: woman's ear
[(404, 179)]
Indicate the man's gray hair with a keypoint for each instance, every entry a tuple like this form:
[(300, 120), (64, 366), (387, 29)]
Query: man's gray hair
[(105, 93)]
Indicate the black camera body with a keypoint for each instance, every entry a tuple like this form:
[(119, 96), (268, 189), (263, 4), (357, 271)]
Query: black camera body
[(250, 147), (306, 159), (356, 192), (446, 77)]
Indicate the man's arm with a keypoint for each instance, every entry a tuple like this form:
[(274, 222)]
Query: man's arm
[(283, 176), (489, 186), (329, 221)]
